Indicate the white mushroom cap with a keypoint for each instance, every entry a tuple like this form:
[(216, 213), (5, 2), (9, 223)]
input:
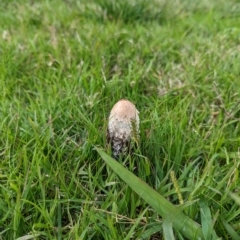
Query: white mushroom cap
[(120, 125)]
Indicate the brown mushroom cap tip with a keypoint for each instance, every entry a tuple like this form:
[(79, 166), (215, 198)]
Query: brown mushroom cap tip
[(124, 109)]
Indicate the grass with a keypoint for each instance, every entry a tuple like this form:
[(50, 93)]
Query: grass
[(64, 64)]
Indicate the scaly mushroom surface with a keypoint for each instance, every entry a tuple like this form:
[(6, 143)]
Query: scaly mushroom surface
[(123, 125)]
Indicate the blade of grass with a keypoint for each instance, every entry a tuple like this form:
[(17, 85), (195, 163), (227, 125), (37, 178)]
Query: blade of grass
[(168, 230), (235, 197), (180, 221), (230, 230), (128, 237), (206, 220), (27, 237), (152, 230)]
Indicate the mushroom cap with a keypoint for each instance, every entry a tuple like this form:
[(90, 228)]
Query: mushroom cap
[(124, 109)]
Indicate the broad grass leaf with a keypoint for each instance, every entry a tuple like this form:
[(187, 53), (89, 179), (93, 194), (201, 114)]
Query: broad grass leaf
[(206, 220), (168, 230), (179, 220)]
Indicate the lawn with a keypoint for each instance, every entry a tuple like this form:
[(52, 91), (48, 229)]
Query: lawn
[(64, 64)]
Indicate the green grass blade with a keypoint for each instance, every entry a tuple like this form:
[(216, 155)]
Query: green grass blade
[(152, 230), (168, 230), (235, 197), (179, 220), (28, 237), (206, 220), (129, 235), (230, 230)]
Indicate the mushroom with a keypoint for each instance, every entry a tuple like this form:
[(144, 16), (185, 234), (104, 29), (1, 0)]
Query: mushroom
[(123, 127)]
